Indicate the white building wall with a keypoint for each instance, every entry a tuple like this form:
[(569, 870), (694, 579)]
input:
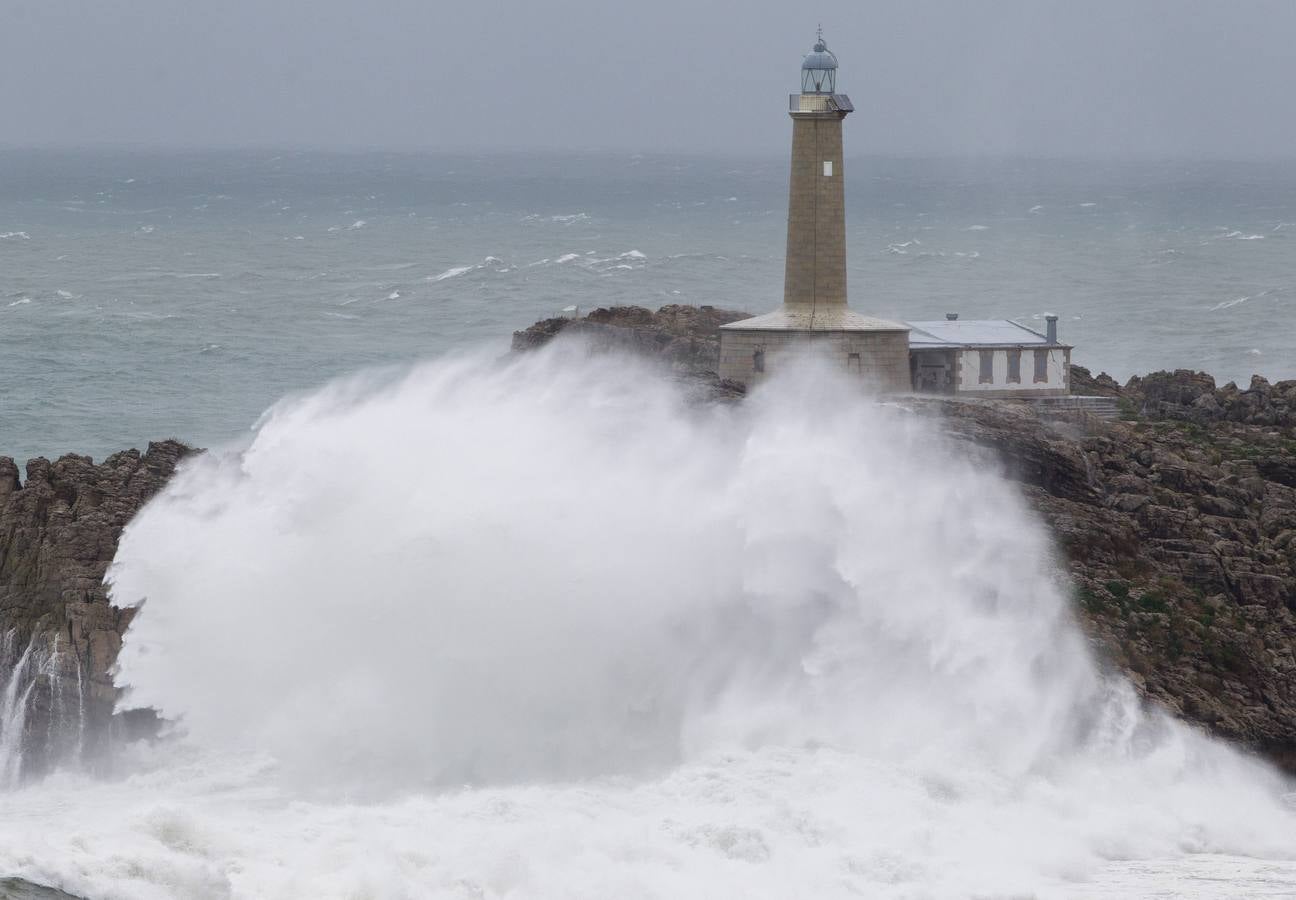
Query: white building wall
[(1059, 360)]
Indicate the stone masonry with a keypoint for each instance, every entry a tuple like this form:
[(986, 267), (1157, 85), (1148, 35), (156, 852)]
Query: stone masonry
[(879, 358), (815, 272)]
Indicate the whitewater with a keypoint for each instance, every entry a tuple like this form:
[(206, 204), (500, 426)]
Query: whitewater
[(549, 627)]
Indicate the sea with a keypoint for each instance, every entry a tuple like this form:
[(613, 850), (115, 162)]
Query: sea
[(428, 621), (145, 296)]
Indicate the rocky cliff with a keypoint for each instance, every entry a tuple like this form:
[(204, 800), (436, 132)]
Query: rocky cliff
[(59, 635), (1178, 525)]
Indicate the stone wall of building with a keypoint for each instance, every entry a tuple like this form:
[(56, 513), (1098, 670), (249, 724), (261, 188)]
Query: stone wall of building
[(878, 358)]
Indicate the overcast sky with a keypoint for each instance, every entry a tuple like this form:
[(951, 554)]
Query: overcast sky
[(928, 77)]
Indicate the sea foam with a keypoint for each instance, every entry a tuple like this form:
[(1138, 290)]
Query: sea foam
[(569, 635), (453, 272)]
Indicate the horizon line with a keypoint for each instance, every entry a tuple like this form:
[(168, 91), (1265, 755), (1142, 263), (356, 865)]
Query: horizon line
[(356, 150)]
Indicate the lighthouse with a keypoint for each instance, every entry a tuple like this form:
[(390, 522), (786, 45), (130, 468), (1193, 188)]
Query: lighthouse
[(815, 319)]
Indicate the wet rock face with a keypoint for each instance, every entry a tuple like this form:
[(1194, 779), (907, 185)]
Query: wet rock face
[(59, 636)]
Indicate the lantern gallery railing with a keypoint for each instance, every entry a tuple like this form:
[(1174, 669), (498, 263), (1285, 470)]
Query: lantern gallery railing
[(820, 103)]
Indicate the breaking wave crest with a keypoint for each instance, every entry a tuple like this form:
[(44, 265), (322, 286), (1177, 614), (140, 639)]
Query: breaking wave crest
[(806, 633)]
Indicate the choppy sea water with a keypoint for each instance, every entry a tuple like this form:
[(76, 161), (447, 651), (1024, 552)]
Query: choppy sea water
[(146, 296)]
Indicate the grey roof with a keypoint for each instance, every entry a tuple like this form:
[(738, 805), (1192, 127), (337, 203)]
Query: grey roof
[(974, 333), (808, 317), (820, 58)]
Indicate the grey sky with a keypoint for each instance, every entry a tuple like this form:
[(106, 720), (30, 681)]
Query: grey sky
[(930, 77)]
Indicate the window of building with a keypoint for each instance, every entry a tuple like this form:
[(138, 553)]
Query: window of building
[(1041, 366), (1014, 367), (853, 363), (827, 168), (758, 360), (987, 367)]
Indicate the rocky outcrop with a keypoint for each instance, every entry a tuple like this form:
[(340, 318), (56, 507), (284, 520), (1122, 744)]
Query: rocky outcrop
[(685, 337), (1188, 396), (1178, 527), (1086, 384), (59, 635)]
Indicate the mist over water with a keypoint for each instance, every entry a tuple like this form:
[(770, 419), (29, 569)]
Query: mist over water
[(543, 628)]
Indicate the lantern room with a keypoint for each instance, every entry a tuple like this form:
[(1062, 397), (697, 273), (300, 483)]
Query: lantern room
[(819, 70)]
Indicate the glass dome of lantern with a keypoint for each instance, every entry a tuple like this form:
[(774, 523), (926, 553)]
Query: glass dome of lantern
[(819, 70)]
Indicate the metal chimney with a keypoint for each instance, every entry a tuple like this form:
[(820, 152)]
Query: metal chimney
[(1051, 331), (951, 316)]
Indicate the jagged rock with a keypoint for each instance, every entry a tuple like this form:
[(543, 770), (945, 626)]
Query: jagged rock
[(1188, 396), (58, 533), (1178, 388), (1086, 384)]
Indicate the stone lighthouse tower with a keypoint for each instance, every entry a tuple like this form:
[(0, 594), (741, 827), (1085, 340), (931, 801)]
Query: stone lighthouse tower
[(815, 319)]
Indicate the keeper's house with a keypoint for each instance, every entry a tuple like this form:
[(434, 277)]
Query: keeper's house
[(995, 358)]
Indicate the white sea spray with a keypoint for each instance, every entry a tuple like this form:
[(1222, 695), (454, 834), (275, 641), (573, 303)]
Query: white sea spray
[(565, 635)]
